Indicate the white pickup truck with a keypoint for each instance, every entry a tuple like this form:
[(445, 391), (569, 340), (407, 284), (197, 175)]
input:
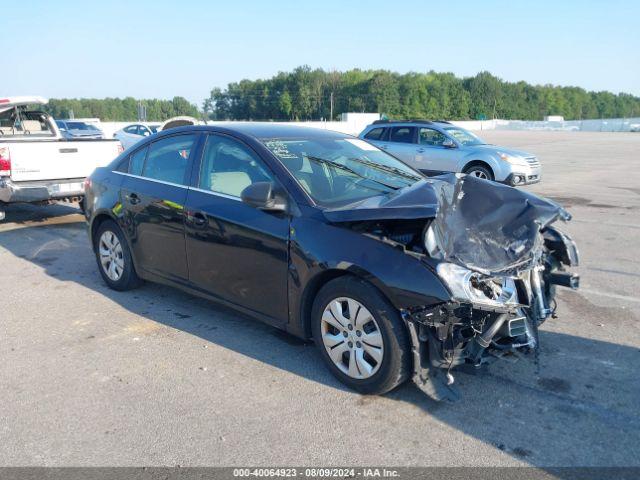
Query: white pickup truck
[(36, 163)]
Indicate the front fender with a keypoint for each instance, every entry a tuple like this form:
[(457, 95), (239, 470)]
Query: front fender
[(561, 246), (317, 248), (493, 162), (497, 165)]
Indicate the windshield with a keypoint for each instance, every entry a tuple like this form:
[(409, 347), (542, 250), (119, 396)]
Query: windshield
[(338, 171), (465, 137), (80, 126)]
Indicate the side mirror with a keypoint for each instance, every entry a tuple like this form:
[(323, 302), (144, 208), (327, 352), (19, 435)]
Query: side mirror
[(448, 143), (261, 195)]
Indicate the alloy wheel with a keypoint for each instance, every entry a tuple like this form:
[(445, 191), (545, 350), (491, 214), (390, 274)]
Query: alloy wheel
[(111, 255), (352, 338), (479, 174)]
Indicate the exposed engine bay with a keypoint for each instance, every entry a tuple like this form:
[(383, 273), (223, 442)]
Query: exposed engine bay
[(496, 251)]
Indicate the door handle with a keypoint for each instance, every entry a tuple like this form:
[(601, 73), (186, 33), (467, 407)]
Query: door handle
[(198, 219), (133, 199), (384, 147), (420, 150)]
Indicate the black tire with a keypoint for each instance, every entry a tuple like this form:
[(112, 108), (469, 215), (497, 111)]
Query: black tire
[(480, 169), (129, 278), (395, 366)]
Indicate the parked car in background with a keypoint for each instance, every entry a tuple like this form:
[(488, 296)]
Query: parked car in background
[(327, 236), (131, 134), (75, 129), (175, 122), (39, 164), (439, 146)]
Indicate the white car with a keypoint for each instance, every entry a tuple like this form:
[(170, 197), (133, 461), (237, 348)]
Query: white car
[(131, 134), (37, 163)]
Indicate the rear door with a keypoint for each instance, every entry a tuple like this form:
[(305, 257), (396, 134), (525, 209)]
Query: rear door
[(236, 252), (401, 143), (153, 195)]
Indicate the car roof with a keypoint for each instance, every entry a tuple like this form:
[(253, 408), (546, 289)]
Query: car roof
[(263, 130), (383, 123), (22, 100)]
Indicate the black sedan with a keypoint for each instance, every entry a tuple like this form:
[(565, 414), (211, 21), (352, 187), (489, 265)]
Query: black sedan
[(328, 237)]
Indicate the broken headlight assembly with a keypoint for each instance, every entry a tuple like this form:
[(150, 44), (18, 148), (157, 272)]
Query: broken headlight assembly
[(468, 286)]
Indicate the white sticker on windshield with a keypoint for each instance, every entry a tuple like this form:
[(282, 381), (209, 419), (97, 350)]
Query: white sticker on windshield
[(280, 149), (361, 144)]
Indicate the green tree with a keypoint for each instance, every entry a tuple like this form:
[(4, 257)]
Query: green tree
[(307, 94)]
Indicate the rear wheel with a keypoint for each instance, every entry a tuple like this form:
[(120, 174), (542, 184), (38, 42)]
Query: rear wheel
[(361, 336), (479, 171), (114, 257)]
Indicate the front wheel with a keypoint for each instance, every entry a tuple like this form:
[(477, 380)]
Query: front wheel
[(361, 336), (479, 171)]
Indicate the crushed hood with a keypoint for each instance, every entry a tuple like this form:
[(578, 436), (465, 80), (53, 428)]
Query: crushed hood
[(481, 225), (416, 201)]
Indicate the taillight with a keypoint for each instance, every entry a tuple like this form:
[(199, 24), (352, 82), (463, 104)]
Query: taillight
[(87, 184), (5, 161), (120, 148)]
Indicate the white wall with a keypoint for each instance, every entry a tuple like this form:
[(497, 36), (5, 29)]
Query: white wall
[(355, 124)]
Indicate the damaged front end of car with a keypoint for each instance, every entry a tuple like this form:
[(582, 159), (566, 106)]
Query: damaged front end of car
[(500, 258)]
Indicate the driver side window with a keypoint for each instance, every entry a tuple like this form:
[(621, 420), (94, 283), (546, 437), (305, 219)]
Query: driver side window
[(431, 138), (228, 167)]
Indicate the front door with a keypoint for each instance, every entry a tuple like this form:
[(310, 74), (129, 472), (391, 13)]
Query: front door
[(153, 197), (431, 155), (236, 252)]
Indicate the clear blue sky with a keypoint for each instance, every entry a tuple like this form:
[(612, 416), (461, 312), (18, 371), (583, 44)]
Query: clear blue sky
[(146, 48)]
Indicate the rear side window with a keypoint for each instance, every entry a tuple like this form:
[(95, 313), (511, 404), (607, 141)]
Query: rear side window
[(132, 129), (375, 134), (122, 165), (168, 158), (136, 161), (402, 134)]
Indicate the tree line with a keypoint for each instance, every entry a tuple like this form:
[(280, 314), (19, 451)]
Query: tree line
[(120, 109), (312, 94)]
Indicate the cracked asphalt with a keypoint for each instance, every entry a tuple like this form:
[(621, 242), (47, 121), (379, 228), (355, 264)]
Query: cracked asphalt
[(93, 377)]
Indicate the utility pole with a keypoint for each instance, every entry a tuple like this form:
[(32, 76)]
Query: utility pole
[(142, 112), (331, 108)]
